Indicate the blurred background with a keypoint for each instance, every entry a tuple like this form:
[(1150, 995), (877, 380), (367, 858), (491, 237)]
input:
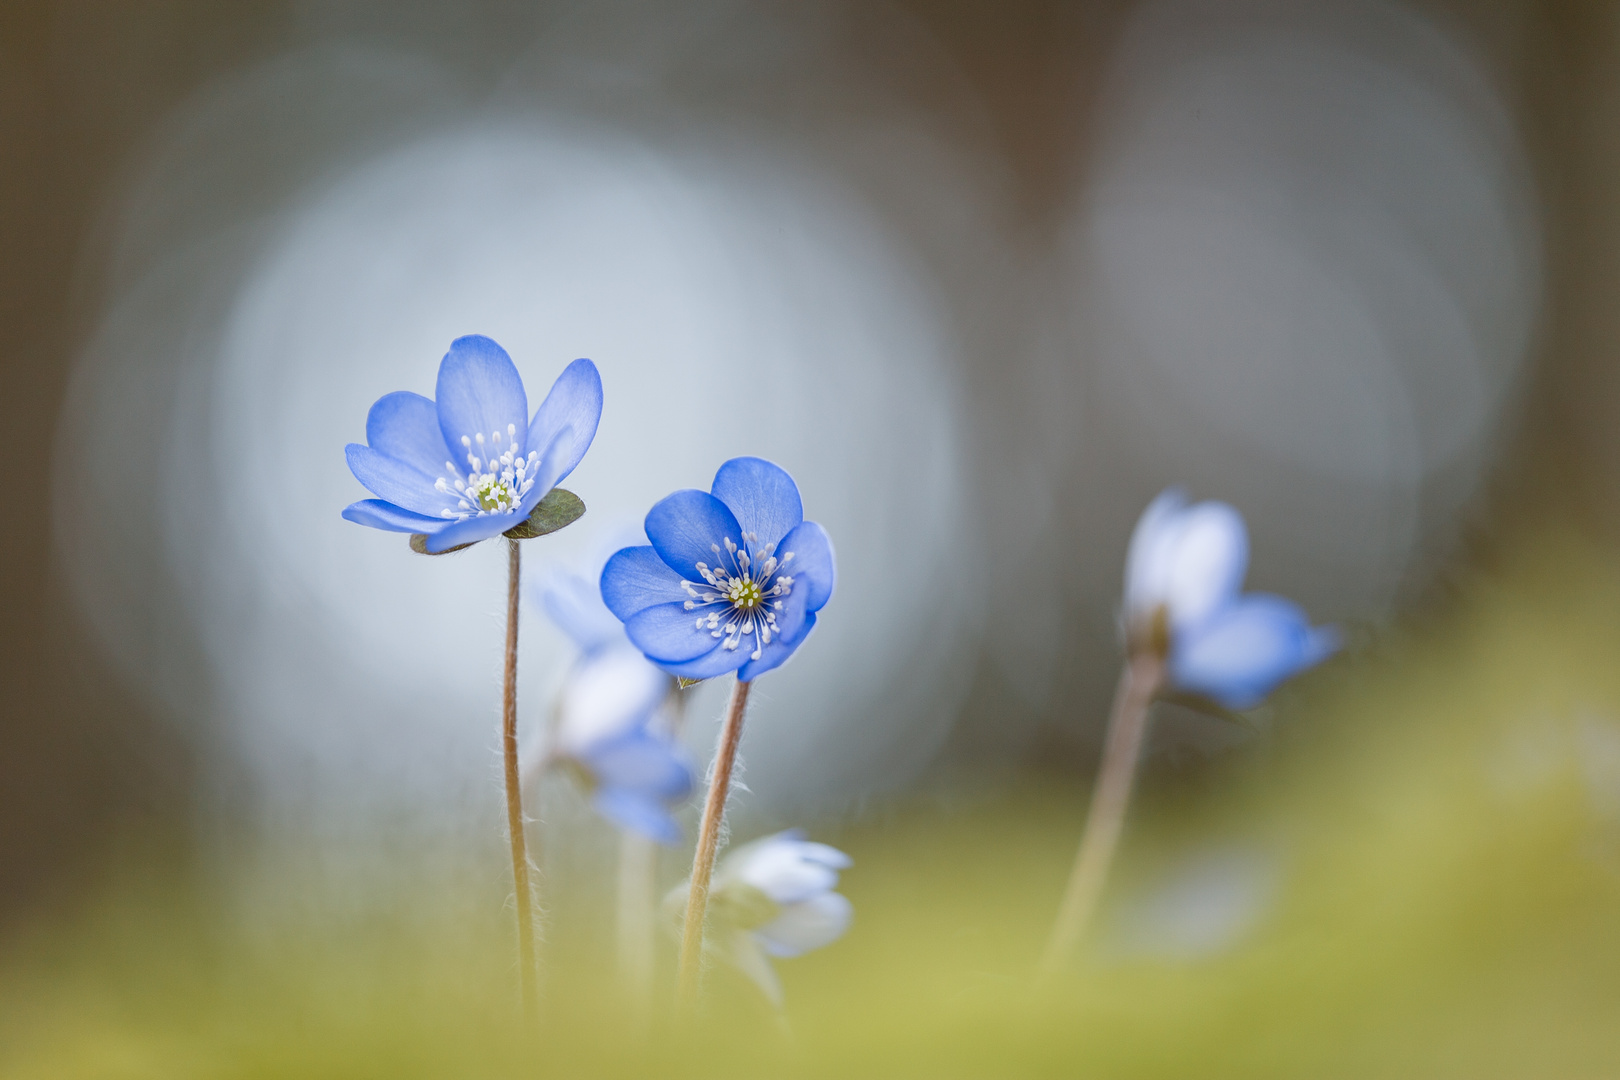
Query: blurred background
[(988, 278)]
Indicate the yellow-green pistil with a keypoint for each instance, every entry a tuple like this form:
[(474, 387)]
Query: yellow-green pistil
[(743, 596)]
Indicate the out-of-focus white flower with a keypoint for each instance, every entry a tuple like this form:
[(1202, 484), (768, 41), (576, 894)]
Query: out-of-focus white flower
[(1183, 577), (610, 731), (774, 897)]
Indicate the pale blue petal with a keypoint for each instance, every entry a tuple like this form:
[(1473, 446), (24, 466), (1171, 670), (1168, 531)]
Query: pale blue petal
[(1207, 560), (668, 633), (690, 527), (609, 695), (637, 813), (761, 495), (385, 515), (1147, 563), (1242, 653), (635, 579), (786, 870), (396, 482), (812, 567), (810, 924), (574, 603), (405, 426), (480, 392), (774, 655), (574, 405), (642, 762)]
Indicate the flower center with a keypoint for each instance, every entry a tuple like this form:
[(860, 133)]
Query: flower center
[(496, 479), (744, 592)]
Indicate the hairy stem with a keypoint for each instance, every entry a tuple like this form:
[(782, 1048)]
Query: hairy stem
[(714, 809), (1138, 683), (514, 784)]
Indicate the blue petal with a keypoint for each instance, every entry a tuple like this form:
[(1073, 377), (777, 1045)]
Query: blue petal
[(385, 515), (813, 567), (777, 653), (668, 633), (397, 482), (719, 662), (791, 616), (635, 579), (761, 495), (687, 527), (643, 763), (479, 393), (1240, 654), (405, 426), (470, 531), (574, 603), (574, 405), (635, 812)]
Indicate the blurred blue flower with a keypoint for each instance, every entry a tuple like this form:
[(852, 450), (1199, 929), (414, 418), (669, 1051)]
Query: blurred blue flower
[(472, 463), (612, 731), (774, 898), (1183, 578), (711, 594)]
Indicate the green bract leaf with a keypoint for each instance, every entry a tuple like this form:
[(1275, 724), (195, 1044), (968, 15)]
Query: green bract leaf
[(419, 545), (558, 509)]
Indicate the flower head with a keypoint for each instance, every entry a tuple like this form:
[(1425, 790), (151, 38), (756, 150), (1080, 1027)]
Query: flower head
[(1183, 578), (612, 732), (774, 898), (472, 463), (732, 579)]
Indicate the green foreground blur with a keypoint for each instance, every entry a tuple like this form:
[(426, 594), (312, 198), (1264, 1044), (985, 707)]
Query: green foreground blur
[(1442, 816)]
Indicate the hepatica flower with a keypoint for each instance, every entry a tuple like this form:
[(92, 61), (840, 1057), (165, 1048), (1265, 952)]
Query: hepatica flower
[(613, 731), (472, 463), (774, 898), (1183, 600), (732, 577), (1188, 626)]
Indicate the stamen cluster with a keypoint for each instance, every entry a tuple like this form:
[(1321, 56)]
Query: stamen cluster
[(745, 590), (498, 490)]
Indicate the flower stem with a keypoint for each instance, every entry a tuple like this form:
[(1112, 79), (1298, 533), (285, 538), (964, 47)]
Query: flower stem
[(714, 809), (1138, 683), (514, 784)]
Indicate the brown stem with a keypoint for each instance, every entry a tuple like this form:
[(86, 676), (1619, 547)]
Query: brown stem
[(714, 809), (514, 784), (1138, 683)]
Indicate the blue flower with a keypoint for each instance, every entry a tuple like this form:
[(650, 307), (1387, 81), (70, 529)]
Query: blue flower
[(473, 463), (733, 577), (1183, 599), (612, 731), (774, 898)]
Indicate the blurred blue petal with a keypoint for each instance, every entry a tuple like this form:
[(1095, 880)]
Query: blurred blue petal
[(809, 924), (637, 813), (1242, 653)]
